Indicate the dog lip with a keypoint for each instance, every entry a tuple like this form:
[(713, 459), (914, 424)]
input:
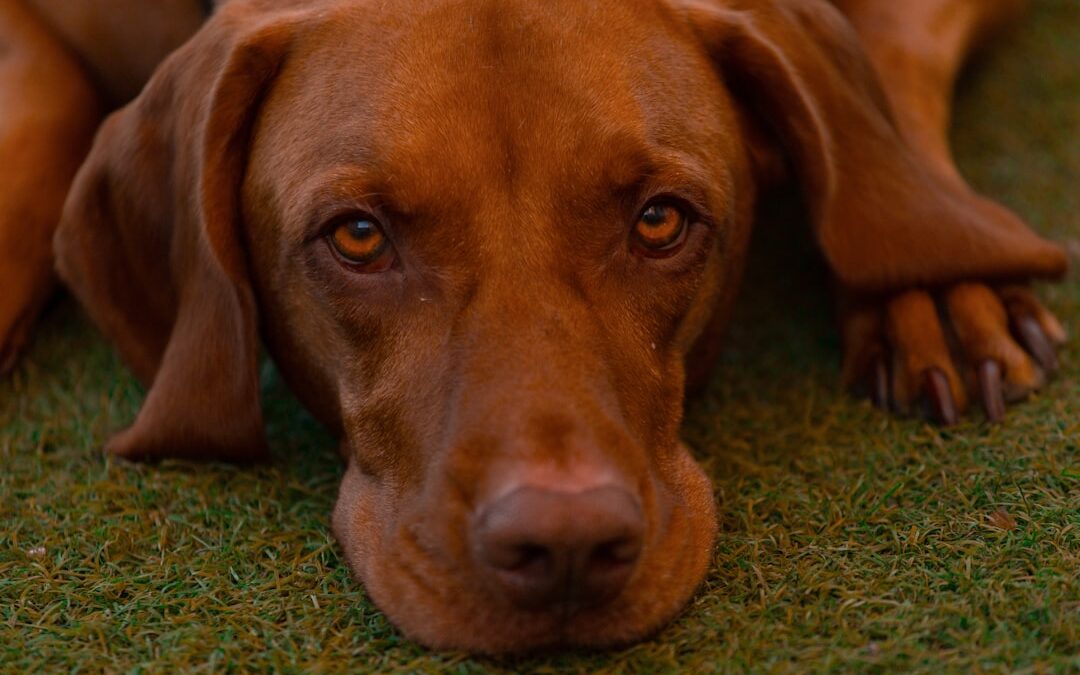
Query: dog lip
[(487, 623), (421, 572), (554, 627)]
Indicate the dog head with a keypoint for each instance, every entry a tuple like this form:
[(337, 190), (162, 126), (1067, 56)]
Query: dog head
[(479, 238)]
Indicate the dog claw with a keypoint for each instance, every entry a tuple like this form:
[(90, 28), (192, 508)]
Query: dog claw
[(1036, 342), (10, 347), (990, 386), (879, 384), (7, 360), (937, 392)]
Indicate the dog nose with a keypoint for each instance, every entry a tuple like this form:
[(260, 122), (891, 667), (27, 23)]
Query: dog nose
[(544, 548)]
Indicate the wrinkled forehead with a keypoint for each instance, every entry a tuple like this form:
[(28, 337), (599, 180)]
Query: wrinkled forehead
[(432, 93)]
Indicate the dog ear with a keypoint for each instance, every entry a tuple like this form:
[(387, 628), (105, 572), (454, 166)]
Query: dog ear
[(883, 217), (149, 241)]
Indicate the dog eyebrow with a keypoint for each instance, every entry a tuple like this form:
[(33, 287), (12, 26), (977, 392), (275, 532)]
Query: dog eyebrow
[(633, 171), (652, 170), (332, 193)]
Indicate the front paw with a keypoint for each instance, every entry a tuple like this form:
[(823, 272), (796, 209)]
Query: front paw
[(25, 286), (939, 351)]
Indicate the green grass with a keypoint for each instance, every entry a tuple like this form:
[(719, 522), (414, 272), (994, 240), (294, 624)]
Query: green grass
[(849, 540)]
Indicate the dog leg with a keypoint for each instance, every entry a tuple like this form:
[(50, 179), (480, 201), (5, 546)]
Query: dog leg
[(48, 113), (940, 347), (918, 48)]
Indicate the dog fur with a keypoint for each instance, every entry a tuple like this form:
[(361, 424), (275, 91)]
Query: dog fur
[(518, 341)]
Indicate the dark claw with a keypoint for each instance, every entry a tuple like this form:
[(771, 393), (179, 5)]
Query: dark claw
[(8, 355), (937, 393), (879, 384), (7, 361), (1036, 342), (8, 352), (993, 400)]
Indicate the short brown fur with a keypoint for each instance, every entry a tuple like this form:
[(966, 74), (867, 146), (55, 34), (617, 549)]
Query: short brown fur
[(507, 147)]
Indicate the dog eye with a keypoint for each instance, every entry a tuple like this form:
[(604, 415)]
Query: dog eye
[(660, 230), (361, 243)]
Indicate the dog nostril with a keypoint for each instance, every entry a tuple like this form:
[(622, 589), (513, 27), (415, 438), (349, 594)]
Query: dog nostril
[(543, 548), (617, 552), (608, 568), (523, 559)]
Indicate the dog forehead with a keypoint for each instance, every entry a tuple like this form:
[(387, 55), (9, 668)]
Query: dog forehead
[(488, 90)]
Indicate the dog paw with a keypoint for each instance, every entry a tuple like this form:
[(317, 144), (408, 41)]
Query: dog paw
[(12, 340), (24, 297), (939, 351)]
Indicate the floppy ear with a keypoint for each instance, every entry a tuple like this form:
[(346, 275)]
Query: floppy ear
[(884, 218), (149, 241)]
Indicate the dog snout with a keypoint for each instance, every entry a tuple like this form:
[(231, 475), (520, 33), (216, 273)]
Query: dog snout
[(550, 549)]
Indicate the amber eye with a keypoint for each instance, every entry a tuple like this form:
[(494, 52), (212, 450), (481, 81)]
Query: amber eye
[(361, 242), (660, 229)]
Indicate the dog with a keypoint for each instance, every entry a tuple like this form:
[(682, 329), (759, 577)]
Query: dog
[(490, 243)]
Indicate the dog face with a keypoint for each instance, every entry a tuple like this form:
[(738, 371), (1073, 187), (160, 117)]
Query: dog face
[(480, 240), (540, 231)]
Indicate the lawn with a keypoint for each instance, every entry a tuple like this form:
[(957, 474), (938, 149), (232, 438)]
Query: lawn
[(849, 539)]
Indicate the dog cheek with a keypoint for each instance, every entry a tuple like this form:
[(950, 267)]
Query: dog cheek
[(665, 394), (703, 294), (380, 441), (352, 522)]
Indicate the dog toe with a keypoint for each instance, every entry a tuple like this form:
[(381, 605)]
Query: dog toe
[(15, 334), (936, 351), (923, 373), (989, 328)]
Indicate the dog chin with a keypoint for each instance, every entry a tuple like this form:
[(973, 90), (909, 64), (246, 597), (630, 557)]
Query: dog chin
[(438, 602)]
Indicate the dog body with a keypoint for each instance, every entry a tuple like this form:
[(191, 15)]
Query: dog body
[(489, 242)]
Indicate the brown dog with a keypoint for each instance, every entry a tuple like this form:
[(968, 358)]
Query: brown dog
[(486, 240)]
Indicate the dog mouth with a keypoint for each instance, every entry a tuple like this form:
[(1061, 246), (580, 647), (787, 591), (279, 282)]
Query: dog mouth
[(503, 628), (443, 590), (488, 620)]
